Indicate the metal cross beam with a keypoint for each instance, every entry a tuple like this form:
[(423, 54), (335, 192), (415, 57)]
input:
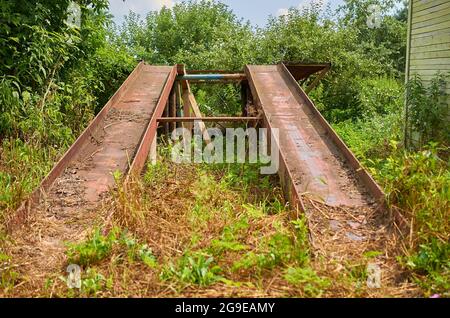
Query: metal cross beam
[(207, 119)]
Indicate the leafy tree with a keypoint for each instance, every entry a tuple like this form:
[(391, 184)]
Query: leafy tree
[(384, 40), (201, 34), (305, 36), (35, 37), (45, 64), (53, 78)]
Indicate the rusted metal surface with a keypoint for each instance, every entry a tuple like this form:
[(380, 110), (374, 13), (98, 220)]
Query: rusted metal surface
[(178, 106), (172, 108), (190, 101), (108, 143), (150, 133), (286, 176), (349, 157), (181, 69), (23, 211), (207, 119), (301, 71), (314, 160), (317, 80)]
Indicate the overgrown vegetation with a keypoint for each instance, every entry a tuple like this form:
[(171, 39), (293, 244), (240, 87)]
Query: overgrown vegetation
[(54, 76), (224, 236), (418, 183), (427, 111)]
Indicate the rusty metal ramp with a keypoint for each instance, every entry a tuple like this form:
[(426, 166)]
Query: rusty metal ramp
[(117, 140), (68, 203), (314, 160)]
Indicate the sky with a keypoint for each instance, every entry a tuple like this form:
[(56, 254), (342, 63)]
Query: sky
[(256, 11)]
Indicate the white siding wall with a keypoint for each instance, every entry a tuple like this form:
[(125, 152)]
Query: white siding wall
[(428, 42), (429, 50)]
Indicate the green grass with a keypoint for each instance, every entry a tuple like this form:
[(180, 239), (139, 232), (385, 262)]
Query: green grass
[(193, 268), (23, 166), (306, 279), (8, 277), (99, 247), (230, 238), (275, 250), (417, 185), (93, 250), (225, 192), (94, 282), (237, 224), (431, 265)]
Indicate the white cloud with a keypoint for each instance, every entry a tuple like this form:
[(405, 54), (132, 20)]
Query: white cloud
[(120, 8), (282, 12), (304, 4)]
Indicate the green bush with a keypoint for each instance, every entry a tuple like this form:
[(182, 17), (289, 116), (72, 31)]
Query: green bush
[(380, 96), (419, 183), (370, 138), (428, 110)]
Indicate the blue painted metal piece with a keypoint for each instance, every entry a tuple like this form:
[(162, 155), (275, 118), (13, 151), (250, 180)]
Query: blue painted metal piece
[(211, 77)]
